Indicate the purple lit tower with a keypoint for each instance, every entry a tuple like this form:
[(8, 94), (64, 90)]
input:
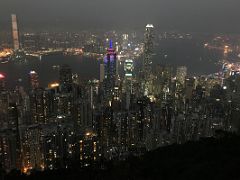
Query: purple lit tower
[(110, 65)]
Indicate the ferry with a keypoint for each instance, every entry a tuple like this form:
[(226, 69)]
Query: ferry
[(4, 60)]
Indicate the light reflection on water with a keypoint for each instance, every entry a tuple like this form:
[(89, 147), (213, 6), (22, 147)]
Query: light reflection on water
[(47, 69)]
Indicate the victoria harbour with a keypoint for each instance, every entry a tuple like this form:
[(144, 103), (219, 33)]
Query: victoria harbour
[(200, 61)]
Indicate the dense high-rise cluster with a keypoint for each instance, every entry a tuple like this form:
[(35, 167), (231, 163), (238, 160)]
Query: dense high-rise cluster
[(128, 111)]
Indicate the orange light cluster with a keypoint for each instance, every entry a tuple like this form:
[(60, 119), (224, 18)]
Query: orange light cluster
[(79, 50), (53, 85), (5, 53), (227, 49)]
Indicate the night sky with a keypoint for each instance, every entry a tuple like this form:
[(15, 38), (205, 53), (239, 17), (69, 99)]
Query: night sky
[(186, 15)]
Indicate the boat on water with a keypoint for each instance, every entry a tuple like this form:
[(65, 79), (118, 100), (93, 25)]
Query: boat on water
[(4, 60)]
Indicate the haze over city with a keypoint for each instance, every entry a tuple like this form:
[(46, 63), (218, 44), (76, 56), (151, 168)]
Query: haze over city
[(187, 15)]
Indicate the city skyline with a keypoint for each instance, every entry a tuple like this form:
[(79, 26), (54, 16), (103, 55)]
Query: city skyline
[(87, 90)]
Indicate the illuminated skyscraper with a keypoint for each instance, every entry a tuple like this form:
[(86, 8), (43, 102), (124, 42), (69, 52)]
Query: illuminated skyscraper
[(15, 33), (2, 82), (65, 77), (125, 42), (110, 65), (32, 149), (34, 82), (181, 74), (8, 150), (147, 59), (128, 69), (38, 105), (30, 42), (13, 121), (189, 87), (101, 72)]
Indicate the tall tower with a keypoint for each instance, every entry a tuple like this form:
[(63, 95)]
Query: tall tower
[(65, 77), (181, 74), (15, 34), (125, 41), (147, 59), (128, 69), (110, 70), (34, 82), (2, 82), (101, 72)]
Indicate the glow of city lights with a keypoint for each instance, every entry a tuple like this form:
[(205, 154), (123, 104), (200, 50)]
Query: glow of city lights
[(5, 53), (60, 117), (25, 170), (88, 134), (128, 75), (152, 98), (53, 85), (149, 26), (2, 76), (32, 72)]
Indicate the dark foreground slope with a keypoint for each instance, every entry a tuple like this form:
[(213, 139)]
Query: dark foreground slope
[(209, 158)]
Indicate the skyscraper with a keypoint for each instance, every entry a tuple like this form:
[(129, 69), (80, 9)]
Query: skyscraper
[(181, 74), (34, 82), (2, 82), (38, 105), (65, 77), (15, 33), (128, 69), (110, 65), (31, 41), (147, 59), (101, 73), (125, 42)]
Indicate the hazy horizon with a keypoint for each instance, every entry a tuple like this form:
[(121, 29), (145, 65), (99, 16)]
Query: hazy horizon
[(182, 15)]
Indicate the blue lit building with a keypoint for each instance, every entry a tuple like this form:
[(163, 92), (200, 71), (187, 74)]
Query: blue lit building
[(110, 71)]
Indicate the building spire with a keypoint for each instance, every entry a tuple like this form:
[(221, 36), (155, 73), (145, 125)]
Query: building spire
[(110, 44)]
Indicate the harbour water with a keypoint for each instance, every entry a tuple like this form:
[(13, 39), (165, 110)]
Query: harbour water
[(48, 69), (199, 61)]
